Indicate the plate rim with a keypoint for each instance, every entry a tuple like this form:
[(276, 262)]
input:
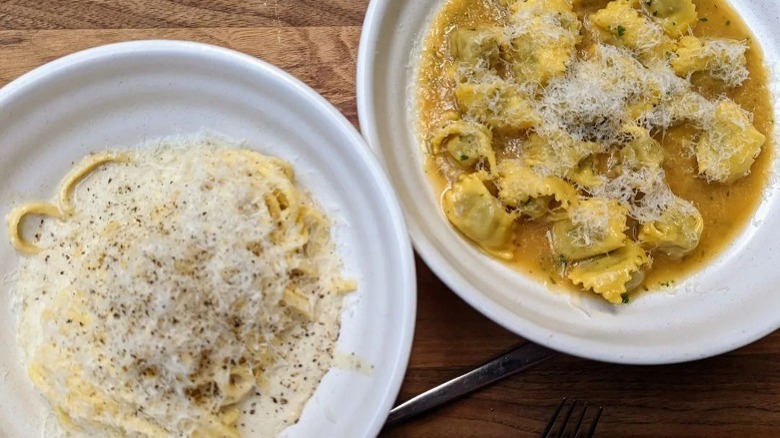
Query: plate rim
[(407, 280)]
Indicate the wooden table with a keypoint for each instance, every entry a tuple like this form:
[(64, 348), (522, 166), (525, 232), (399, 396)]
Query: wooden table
[(737, 394)]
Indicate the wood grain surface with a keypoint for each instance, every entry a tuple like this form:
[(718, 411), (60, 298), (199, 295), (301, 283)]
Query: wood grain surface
[(736, 395)]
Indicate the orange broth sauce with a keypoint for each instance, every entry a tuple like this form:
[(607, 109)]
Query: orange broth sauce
[(725, 208)]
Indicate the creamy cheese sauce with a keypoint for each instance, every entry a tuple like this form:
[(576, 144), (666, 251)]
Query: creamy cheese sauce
[(191, 290)]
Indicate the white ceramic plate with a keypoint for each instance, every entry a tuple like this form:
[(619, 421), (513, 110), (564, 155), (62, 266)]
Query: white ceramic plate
[(124, 94), (727, 305)]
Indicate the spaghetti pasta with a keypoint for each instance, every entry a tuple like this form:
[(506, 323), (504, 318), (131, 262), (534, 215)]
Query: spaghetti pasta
[(17, 216)]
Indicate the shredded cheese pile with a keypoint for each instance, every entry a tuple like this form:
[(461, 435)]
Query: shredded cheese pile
[(186, 279)]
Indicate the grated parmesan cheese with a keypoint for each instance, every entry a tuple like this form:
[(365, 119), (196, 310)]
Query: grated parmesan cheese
[(723, 59), (729, 63), (188, 282)]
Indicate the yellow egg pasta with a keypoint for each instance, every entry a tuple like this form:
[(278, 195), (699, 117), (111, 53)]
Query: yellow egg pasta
[(169, 287), (613, 146)]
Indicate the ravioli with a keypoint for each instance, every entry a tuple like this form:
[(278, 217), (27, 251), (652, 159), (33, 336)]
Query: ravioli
[(599, 147)]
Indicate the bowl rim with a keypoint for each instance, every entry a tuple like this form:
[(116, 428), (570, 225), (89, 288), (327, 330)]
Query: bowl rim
[(368, 52)]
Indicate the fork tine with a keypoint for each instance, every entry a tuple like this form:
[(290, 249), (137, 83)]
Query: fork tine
[(551, 423), (563, 425), (566, 418), (579, 420), (594, 423)]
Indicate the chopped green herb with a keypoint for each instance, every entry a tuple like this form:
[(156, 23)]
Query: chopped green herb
[(624, 298), (704, 19), (621, 30), (464, 157)]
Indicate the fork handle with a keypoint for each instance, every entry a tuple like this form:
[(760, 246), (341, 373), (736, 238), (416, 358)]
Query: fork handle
[(519, 359)]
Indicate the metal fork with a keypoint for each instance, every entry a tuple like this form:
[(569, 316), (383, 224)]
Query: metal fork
[(564, 423), (516, 360)]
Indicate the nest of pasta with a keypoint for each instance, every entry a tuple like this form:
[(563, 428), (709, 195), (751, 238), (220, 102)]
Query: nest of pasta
[(168, 285)]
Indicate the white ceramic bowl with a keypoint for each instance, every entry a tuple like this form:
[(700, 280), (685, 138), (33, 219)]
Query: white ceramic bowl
[(727, 305), (124, 94)]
